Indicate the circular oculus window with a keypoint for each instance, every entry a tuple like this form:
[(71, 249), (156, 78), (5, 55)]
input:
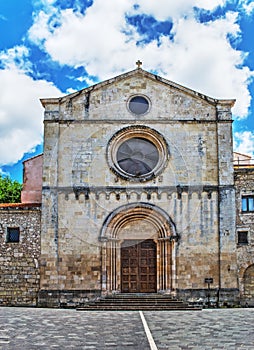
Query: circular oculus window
[(137, 156), (138, 105), (137, 153)]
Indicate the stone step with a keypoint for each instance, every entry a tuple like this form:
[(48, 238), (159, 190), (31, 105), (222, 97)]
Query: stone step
[(136, 308), (143, 302), (138, 296), (136, 302)]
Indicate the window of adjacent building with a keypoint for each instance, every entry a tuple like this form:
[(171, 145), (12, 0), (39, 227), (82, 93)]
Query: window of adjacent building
[(13, 235), (243, 237), (248, 204)]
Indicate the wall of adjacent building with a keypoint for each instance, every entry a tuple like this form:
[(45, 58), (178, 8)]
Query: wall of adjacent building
[(32, 180), (19, 262), (244, 182)]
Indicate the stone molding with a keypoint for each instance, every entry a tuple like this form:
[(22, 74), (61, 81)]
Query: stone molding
[(138, 190)]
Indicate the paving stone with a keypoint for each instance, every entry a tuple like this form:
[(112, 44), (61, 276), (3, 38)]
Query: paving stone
[(45, 329), (209, 329)]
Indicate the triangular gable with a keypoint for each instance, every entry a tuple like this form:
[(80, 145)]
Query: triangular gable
[(145, 74)]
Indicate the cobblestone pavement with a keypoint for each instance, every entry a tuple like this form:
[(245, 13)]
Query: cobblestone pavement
[(230, 329), (41, 329)]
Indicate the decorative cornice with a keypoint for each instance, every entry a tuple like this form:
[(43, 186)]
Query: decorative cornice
[(107, 191), (133, 122)]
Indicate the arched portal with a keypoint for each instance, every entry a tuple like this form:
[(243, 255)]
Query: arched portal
[(138, 250)]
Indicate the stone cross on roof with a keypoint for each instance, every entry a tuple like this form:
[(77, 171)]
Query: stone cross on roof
[(139, 63)]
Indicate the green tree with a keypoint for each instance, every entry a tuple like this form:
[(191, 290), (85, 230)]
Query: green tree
[(10, 190)]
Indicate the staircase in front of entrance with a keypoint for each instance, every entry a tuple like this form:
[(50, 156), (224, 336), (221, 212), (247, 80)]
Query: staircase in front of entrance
[(132, 302)]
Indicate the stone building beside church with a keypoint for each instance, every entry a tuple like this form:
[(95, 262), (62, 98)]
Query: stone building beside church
[(139, 195)]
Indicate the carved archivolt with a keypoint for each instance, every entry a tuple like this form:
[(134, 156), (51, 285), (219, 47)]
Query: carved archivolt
[(138, 221), (157, 217)]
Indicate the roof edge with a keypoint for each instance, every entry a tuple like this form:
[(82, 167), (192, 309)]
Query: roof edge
[(38, 155), (19, 205), (141, 71)]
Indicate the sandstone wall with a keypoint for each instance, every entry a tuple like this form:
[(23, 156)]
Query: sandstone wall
[(195, 187)]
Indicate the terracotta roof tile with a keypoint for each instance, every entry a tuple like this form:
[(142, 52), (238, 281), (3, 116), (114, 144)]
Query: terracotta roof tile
[(19, 205)]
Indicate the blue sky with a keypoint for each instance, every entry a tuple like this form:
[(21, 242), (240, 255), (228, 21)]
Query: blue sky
[(53, 47)]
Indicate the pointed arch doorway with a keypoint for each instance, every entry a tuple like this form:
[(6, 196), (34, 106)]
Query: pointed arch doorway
[(138, 250)]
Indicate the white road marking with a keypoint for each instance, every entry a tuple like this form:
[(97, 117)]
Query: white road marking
[(148, 333)]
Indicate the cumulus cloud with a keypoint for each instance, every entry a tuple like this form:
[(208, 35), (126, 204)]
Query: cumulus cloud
[(94, 40), (197, 55), (16, 57), (40, 29), (21, 113), (244, 142), (248, 6), (101, 39), (204, 60), (164, 9)]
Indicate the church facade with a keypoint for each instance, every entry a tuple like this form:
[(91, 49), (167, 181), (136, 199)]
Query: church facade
[(138, 190), (138, 194)]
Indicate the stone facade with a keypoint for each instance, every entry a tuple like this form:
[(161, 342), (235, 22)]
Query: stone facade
[(19, 254), (91, 207), (244, 182), (139, 194)]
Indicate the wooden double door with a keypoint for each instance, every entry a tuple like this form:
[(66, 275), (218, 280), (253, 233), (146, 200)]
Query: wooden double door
[(138, 266)]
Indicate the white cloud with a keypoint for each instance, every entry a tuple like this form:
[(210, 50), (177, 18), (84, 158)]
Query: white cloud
[(165, 9), (21, 113), (4, 173), (248, 6), (43, 3), (16, 57), (94, 40), (40, 29), (209, 4), (199, 57), (203, 59), (85, 80), (244, 143)]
